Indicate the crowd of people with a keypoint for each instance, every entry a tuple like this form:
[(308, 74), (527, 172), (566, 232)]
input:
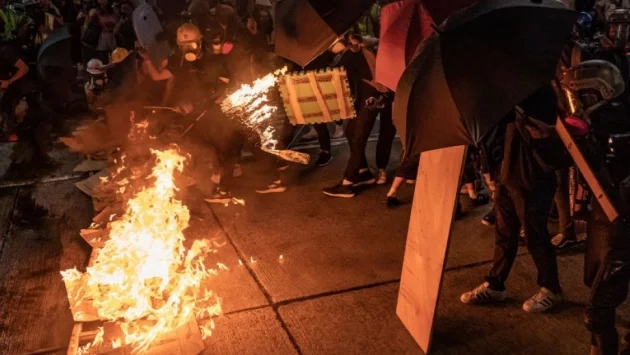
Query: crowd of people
[(218, 45)]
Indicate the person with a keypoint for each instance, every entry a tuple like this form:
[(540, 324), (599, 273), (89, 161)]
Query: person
[(359, 63), (124, 30), (596, 87), (97, 81), (14, 85), (107, 22), (406, 171), (524, 194)]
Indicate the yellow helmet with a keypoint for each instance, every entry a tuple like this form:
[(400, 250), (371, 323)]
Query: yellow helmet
[(119, 54), (188, 33)]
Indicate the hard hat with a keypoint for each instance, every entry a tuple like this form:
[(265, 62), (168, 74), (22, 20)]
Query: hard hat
[(94, 67), (119, 54), (188, 33), (599, 78)]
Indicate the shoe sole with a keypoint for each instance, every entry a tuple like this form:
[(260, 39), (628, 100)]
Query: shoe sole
[(339, 195), (566, 243), (324, 164), (486, 223), (366, 182), (219, 200), (271, 191)]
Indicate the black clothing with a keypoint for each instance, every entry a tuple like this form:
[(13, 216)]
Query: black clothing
[(8, 59), (408, 168), (516, 208)]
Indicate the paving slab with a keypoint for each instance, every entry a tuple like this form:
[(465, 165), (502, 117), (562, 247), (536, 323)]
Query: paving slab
[(18, 167), (327, 244), (256, 332), (34, 310), (359, 322)]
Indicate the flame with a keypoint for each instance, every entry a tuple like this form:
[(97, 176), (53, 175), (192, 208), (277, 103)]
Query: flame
[(144, 279), (252, 105)]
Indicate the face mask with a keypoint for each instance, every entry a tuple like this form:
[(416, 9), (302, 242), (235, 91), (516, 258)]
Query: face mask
[(190, 51)]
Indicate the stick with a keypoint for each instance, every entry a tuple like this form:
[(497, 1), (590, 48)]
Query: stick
[(191, 126), (290, 155)]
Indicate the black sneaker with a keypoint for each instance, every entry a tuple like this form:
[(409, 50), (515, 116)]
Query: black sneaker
[(220, 196), (365, 178), (324, 159), (482, 199), (490, 218), (562, 241), (340, 190), (393, 202)]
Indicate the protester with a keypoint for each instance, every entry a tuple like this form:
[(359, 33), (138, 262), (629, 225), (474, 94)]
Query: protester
[(14, 85)]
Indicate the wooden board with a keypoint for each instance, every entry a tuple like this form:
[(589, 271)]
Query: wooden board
[(432, 214), (589, 175)]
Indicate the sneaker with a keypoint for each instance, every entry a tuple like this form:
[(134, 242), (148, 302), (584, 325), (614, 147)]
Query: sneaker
[(410, 182), (365, 178), (220, 196), (393, 202), (273, 188), (310, 135), (483, 294), (381, 179), (338, 131), (324, 159), (340, 190), (561, 240), (237, 171), (490, 218), (543, 301)]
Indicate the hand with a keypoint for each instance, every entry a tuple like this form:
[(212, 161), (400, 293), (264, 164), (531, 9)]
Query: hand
[(4, 84), (143, 52)]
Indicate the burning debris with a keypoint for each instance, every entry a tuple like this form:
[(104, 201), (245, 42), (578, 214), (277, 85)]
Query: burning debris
[(252, 106), (143, 278)]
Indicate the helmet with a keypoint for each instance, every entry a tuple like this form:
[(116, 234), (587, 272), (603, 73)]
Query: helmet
[(189, 41), (619, 27), (188, 33), (591, 84), (94, 67), (119, 54), (584, 24)]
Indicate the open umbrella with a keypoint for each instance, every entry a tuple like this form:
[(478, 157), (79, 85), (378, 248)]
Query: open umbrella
[(56, 50), (404, 25), (306, 28), (483, 61)]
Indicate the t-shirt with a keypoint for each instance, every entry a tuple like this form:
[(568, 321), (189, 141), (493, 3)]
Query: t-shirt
[(8, 58)]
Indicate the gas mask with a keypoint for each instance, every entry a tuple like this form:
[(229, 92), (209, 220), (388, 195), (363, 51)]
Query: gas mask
[(191, 51)]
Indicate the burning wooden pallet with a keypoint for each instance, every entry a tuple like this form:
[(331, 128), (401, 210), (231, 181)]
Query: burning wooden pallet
[(185, 340)]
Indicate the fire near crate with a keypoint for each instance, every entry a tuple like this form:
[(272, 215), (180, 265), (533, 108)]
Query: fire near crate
[(317, 96)]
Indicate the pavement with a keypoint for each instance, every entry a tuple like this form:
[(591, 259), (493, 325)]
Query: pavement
[(307, 274)]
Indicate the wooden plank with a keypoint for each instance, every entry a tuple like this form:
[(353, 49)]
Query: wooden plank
[(336, 81), (432, 214), (293, 98), (318, 95), (586, 170)]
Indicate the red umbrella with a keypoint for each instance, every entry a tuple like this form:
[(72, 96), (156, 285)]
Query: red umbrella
[(404, 25)]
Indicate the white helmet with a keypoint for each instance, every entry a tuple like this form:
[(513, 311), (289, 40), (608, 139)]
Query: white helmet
[(94, 67)]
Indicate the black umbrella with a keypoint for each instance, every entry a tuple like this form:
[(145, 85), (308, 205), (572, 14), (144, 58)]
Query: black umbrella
[(56, 51), (483, 61), (306, 28)]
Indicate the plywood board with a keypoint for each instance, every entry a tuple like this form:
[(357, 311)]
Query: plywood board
[(432, 214)]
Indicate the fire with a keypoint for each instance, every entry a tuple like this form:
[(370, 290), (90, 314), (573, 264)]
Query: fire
[(252, 105), (144, 278)]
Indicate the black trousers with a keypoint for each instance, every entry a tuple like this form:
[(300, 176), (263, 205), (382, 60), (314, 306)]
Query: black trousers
[(323, 135), (563, 204), (530, 209), (607, 273), (358, 132)]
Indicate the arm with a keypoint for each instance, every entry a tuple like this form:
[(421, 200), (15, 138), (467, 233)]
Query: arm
[(154, 73), (22, 70)]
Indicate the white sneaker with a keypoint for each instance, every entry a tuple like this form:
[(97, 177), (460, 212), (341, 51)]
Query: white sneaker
[(483, 294), (381, 179), (338, 131), (237, 171), (274, 188), (310, 135), (543, 301)]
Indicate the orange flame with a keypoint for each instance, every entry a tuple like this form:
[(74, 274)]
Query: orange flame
[(144, 278)]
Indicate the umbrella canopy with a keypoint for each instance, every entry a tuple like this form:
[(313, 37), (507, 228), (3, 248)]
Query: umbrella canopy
[(404, 25), (485, 60), (55, 51), (306, 28)]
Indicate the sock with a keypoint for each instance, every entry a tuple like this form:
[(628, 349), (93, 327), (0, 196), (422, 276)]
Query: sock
[(392, 192), (346, 182), (362, 170), (216, 178)]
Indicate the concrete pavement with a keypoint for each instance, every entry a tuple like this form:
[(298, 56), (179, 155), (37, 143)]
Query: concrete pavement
[(307, 274)]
